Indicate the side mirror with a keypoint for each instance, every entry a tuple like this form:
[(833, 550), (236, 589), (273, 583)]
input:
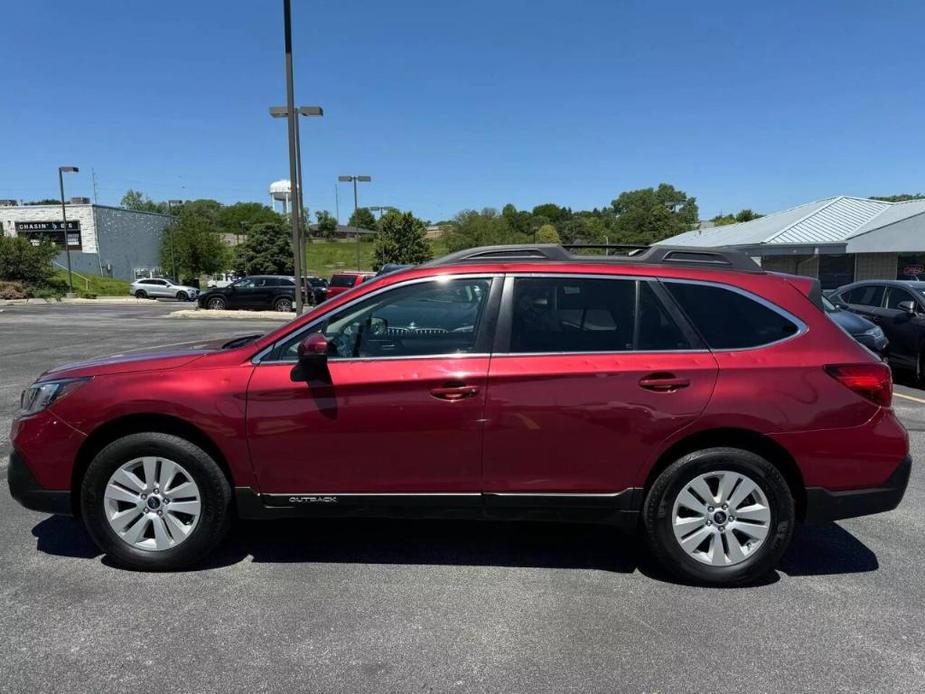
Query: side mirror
[(907, 307), (313, 359)]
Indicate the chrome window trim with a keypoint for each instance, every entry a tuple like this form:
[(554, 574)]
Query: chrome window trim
[(258, 358)]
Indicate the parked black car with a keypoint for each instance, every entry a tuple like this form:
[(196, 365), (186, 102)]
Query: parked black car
[(864, 331), (898, 307), (267, 292), (316, 288)]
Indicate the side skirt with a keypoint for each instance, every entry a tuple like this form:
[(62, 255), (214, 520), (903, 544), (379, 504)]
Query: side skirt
[(620, 508)]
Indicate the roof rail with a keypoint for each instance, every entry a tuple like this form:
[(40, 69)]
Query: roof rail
[(718, 258)]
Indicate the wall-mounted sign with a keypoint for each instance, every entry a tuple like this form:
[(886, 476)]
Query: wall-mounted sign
[(36, 231)]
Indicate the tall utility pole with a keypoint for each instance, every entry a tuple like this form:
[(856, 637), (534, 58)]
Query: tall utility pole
[(67, 242), (356, 229), (292, 117)]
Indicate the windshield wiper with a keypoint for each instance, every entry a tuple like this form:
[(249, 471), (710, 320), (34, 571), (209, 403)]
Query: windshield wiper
[(241, 341)]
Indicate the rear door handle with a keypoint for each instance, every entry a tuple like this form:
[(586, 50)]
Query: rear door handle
[(663, 382), (454, 392)]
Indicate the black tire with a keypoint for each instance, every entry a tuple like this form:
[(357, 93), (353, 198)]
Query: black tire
[(216, 303), (282, 304), (182, 296), (141, 294), (659, 508), (215, 497)]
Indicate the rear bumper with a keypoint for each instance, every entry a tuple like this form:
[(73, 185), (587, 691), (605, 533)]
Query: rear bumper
[(28, 492), (823, 505)]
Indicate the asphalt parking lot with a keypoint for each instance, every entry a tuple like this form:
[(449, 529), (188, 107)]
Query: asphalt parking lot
[(435, 606)]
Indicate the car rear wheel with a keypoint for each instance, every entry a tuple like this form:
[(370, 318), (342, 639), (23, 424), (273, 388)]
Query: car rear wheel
[(216, 303), (182, 296), (282, 304), (141, 294), (721, 516), (155, 501)]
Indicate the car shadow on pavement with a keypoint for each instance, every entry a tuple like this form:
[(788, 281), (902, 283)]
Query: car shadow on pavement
[(815, 551)]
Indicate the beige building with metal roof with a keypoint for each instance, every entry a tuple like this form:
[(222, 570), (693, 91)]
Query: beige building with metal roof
[(838, 240)]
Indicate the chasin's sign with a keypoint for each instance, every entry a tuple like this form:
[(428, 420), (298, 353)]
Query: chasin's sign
[(36, 231)]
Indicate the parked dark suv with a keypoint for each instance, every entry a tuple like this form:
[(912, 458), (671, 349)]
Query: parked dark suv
[(687, 394), (898, 307), (267, 292)]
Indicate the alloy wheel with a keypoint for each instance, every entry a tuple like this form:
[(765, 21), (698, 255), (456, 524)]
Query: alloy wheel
[(152, 503), (216, 304), (283, 305), (721, 518)]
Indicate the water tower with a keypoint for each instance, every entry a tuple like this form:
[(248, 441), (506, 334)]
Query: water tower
[(280, 191)]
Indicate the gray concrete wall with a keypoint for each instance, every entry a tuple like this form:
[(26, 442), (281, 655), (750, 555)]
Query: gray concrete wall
[(806, 265), (129, 241)]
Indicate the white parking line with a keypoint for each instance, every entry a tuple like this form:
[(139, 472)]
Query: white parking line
[(909, 397)]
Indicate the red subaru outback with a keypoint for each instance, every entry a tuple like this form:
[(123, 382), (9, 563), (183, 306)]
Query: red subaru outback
[(690, 394)]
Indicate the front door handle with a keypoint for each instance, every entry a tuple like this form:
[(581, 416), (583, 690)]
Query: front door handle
[(454, 392), (663, 382)]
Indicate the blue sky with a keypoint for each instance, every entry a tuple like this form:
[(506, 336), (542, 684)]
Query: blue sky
[(453, 105)]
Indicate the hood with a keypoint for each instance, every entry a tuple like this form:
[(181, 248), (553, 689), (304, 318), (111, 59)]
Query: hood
[(148, 359), (852, 323)]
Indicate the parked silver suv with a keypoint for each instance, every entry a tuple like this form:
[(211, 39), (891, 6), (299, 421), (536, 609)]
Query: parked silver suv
[(156, 288)]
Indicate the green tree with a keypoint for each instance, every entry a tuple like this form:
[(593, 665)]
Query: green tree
[(136, 200), (401, 239), (327, 225), (552, 212), (21, 261), (902, 197), (519, 222), (471, 228), (267, 250), (363, 218), (194, 239), (652, 214), (547, 234), (745, 215), (239, 217)]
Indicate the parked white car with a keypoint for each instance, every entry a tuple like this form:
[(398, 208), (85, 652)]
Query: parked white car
[(162, 289)]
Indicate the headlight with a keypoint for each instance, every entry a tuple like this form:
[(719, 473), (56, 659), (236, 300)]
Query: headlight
[(39, 396)]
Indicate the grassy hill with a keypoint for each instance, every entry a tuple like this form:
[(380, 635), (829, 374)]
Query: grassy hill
[(326, 257)]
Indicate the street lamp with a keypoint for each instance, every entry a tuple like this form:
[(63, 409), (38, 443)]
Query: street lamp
[(173, 243), (283, 112), (67, 245), (295, 174), (355, 180)]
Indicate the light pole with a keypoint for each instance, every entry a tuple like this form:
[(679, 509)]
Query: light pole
[(67, 245), (356, 230), (308, 111), (173, 238)]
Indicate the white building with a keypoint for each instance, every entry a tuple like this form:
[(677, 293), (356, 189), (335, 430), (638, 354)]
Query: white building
[(107, 241), (838, 240)]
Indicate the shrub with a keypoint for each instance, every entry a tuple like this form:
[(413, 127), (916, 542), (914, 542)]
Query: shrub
[(21, 261), (12, 290)]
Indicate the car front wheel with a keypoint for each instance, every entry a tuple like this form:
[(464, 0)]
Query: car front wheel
[(155, 501), (720, 516), (182, 296)]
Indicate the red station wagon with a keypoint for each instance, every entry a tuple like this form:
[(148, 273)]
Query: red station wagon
[(685, 393)]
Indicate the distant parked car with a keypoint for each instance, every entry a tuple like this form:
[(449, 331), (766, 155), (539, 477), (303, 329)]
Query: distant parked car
[(867, 333), (156, 288), (898, 307), (267, 292), (316, 288), (342, 281)]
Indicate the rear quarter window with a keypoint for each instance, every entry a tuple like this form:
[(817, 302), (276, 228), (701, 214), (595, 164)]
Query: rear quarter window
[(729, 320), (342, 280)]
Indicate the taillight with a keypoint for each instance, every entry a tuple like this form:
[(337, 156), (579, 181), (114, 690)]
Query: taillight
[(872, 381)]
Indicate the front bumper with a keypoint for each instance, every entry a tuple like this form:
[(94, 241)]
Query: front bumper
[(28, 492), (823, 505)]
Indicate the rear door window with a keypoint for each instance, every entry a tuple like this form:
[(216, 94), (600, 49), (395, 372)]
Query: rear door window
[(728, 319), (566, 314), (342, 281), (867, 295)]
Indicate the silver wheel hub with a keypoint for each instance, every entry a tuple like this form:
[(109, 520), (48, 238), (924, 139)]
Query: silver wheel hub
[(152, 503), (721, 518)]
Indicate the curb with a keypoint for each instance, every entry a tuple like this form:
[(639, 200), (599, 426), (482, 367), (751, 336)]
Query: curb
[(203, 314)]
